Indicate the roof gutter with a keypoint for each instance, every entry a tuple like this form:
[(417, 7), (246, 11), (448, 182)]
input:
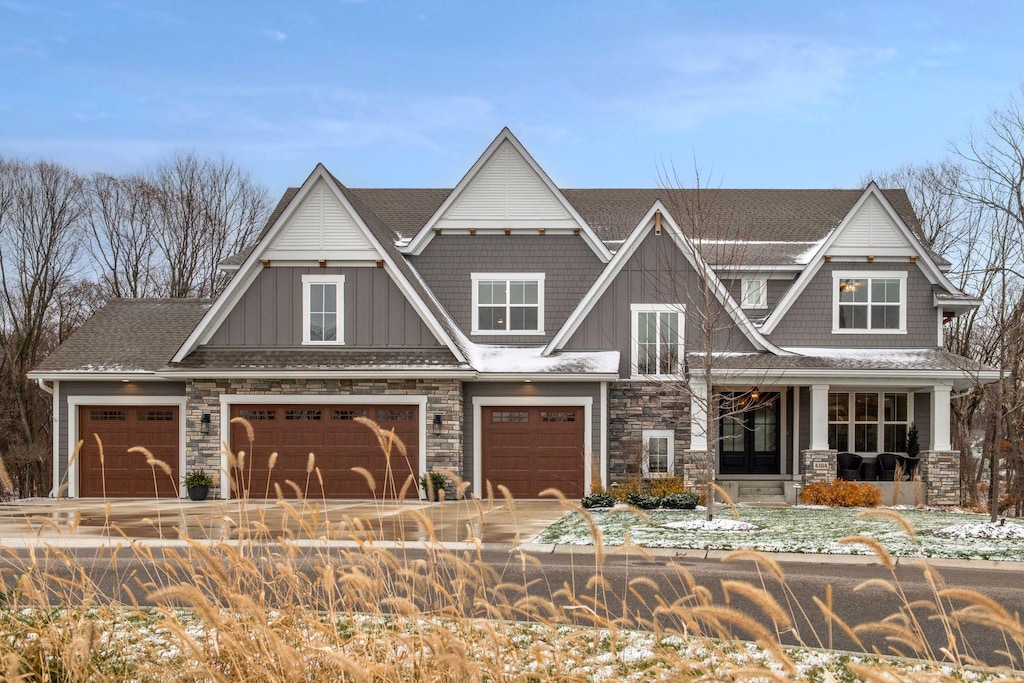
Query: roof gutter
[(41, 383)]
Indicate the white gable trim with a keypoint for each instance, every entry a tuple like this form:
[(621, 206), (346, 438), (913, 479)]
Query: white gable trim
[(251, 267), (924, 259), (689, 251), (426, 233)]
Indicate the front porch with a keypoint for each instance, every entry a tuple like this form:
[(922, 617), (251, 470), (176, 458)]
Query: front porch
[(772, 441)]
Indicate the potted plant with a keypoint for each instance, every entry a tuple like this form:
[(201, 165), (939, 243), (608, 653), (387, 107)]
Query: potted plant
[(433, 483), (197, 484)]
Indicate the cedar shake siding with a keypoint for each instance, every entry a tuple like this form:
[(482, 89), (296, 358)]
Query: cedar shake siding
[(657, 273), (809, 321), (376, 312), (569, 265)]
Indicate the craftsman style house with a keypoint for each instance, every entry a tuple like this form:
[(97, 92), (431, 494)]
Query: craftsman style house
[(530, 336)]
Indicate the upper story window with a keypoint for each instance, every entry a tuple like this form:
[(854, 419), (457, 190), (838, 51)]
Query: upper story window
[(657, 339), (323, 309), (508, 303), (754, 292), (874, 302)]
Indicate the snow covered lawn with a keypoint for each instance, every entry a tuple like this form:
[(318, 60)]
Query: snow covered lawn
[(800, 530)]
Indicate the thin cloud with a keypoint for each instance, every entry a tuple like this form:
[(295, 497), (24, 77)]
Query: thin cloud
[(275, 35)]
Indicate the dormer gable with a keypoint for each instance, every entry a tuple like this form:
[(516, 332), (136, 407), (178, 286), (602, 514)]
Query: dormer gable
[(873, 231), (506, 192), (321, 227)]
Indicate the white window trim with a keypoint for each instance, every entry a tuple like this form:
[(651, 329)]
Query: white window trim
[(649, 434), (507, 277), (869, 275), (338, 280), (762, 301), (851, 396), (634, 309)]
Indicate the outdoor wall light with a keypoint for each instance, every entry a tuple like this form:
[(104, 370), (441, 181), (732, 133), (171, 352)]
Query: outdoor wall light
[(755, 394), (437, 424), (204, 424)]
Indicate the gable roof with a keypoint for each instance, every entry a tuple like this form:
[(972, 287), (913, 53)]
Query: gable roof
[(925, 259), (131, 336), (685, 246), (378, 236), (505, 141)]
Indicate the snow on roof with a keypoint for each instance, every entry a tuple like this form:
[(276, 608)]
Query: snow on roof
[(529, 359)]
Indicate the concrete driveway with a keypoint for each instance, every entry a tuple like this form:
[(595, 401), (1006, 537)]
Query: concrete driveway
[(91, 521)]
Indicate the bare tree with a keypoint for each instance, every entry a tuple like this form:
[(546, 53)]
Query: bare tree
[(41, 209), (121, 235), (203, 212)]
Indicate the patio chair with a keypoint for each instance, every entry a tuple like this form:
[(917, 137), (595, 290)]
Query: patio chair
[(869, 469), (886, 466), (908, 464), (848, 465)]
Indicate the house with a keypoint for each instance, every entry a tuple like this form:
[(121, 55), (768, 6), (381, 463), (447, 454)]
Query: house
[(533, 337)]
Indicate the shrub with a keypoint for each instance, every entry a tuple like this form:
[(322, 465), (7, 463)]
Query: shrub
[(841, 493), (598, 499), (643, 501), (624, 489), (686, 500), (197, 478), (666, 486)]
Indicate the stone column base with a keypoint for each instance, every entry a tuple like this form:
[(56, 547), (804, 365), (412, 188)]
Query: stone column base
[(940, 472), (818, 466), (698, 467)]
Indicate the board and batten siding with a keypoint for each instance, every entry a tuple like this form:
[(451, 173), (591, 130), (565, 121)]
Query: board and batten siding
[(471, 390), (376, 312), (569, 265), (809, 321), (68, 389), (657, 273)]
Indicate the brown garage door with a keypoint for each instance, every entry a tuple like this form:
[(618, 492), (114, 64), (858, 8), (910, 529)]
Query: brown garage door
[(529, 449), (338, 442), (123, 474)]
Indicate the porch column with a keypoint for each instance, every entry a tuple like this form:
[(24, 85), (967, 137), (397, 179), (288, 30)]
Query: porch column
[(698, 417), (819, 417), (940, 418)]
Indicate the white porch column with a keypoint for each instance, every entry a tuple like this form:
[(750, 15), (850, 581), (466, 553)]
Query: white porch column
[(940, 418), (819, 417), (698, 417)]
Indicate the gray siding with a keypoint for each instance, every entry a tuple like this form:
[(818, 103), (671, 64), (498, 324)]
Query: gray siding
[(376, 312), (67, 389), (470, 390), (922, 417), (569, 264), (809, 321), (776, 288), (657, 273)]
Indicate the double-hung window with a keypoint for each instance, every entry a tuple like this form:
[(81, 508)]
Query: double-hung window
[(508, 303), (658, 453), (873, 302), (657, 339), (869, 421), (323, 299), (754, 292)]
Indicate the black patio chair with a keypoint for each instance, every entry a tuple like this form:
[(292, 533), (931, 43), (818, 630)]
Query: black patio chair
[(848, 465), (886, 466), (869, 469), (908, 464)]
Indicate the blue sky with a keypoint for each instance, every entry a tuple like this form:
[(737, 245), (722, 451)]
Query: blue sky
[(408, 94)]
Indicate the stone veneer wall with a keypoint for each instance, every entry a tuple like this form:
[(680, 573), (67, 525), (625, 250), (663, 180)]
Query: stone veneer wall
[(203, 451), (634, 406), (940, 472), (698, 467), (812, 469)]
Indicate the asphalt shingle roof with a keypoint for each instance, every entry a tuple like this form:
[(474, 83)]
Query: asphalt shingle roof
[(221, 358), (128, 335)]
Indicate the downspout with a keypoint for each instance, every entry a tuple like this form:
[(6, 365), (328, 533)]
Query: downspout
[(41, 383)]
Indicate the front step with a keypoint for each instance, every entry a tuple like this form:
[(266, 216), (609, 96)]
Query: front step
[(762, 492)]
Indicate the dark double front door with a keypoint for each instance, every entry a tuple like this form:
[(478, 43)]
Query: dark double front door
[(749, 436)]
